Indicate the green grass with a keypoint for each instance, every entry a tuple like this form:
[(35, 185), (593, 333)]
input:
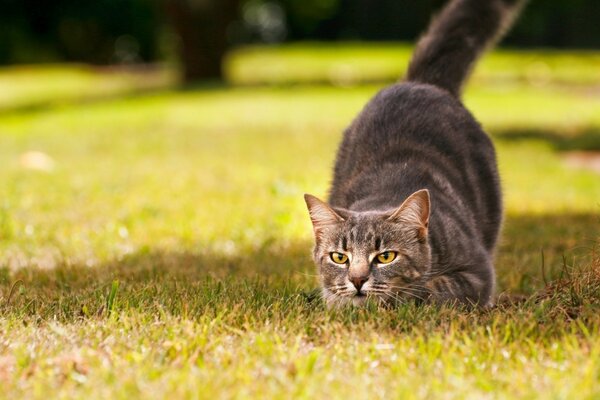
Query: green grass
[(347, 64), (164, 250), (34, 87)]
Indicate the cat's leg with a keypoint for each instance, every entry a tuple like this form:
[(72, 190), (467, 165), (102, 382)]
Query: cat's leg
[(472, 288)]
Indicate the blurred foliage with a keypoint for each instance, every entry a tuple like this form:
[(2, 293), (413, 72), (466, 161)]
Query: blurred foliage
[(99, 31), (192, 201), (551, 23), (133, 31)]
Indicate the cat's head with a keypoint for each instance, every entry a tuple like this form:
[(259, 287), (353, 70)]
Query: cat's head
[(384, 256)]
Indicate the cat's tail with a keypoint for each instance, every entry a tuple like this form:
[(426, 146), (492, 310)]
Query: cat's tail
[(445, 55)]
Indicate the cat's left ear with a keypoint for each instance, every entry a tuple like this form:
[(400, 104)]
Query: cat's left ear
[(321, 215), (415, 211)]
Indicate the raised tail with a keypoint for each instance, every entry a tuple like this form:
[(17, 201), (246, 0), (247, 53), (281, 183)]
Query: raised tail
[(445, 55)]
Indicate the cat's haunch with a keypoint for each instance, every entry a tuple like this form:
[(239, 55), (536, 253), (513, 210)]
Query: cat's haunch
[(415, 206)]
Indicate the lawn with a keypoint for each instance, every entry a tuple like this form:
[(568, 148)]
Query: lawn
[(154, 241)]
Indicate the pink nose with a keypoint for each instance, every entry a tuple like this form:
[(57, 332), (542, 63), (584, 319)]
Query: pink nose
[(359, 281)]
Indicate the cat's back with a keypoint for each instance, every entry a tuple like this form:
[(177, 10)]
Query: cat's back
[(413, 115), (412, 136)]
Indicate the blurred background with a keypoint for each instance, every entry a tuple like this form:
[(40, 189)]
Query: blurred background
[(154, 241), (188, 130), (196, 34)]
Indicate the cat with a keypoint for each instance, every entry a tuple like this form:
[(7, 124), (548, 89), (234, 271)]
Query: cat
[(415, 206)]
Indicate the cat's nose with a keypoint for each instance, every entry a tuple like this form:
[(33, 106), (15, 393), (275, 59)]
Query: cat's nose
[(359, 281)]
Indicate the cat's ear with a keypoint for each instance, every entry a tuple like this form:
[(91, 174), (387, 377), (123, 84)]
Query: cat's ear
[(415, 210), (321, 215)]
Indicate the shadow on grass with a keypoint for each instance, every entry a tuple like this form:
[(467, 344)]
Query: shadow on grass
[(536, 249), (152, 265), (151, 277), (276, 280), (44, 105), (587, 139)]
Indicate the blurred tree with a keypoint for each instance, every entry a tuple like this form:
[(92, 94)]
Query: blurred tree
[(97, 32), (130, 31), (558, 23), (202, 27), (357, 19)]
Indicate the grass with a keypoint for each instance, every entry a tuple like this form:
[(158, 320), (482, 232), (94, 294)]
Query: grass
[(159, 246), (347, 64)]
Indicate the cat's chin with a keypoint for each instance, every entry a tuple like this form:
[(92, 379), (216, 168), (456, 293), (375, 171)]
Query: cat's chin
[(341, 302), (359, 301)]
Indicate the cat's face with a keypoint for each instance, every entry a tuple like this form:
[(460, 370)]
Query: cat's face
[(383, 256)]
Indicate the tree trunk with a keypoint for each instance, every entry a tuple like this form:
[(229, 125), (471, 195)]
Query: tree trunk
[(202, 28)]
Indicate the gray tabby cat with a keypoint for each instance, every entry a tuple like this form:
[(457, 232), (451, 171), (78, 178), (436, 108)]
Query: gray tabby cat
[(415, 205)]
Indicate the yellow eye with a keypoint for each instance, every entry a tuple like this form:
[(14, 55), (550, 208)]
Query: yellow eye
[(339, 258), (386, 257)]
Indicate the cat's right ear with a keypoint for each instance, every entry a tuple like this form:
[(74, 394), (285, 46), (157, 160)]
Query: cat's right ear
[(415, 211), (321, 215)]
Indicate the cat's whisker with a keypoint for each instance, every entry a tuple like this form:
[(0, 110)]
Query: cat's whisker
[(395, 297), (411, 285), (408, 291), (424, 127), (378, 285), (410, 294), (402, 287), (388, 295)]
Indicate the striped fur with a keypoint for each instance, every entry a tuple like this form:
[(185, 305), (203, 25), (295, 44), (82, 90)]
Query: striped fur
[(416, 174)]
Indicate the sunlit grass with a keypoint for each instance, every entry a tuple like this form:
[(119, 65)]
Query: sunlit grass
[(33, 86), (192, 201), (354, 63), (337, 64)]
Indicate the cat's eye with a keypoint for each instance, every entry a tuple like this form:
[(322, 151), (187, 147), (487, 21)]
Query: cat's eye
[(339, 258), (386, 257)]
